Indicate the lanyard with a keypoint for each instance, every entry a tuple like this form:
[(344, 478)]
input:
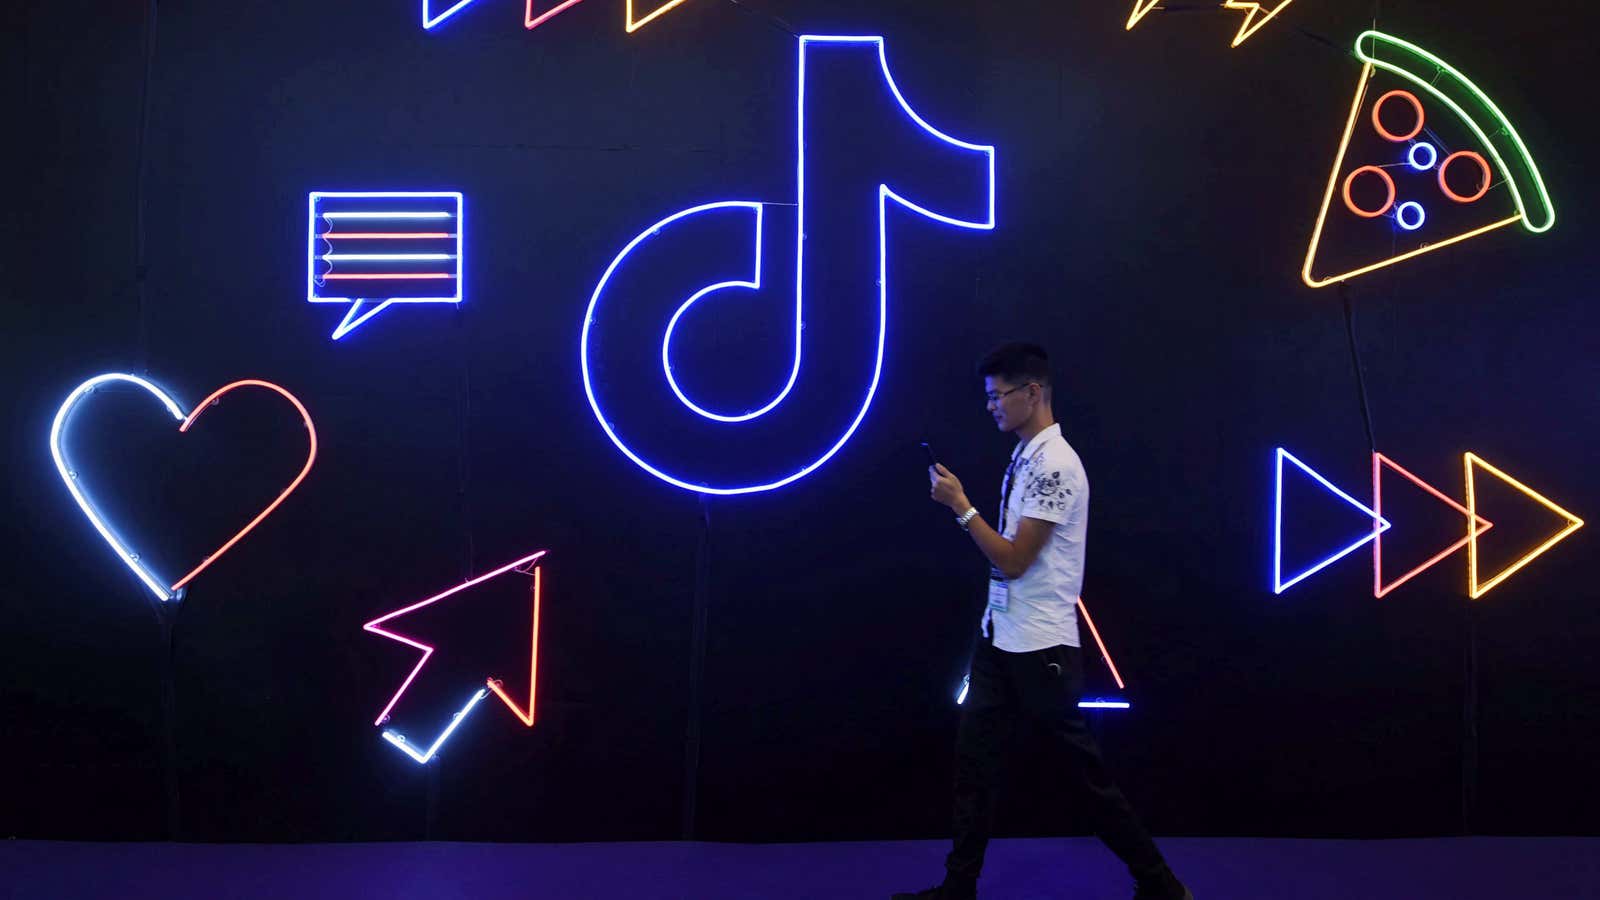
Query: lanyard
[(1005, 492), (1005, 502)]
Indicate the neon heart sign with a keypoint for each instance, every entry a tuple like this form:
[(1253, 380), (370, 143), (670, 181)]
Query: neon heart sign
[(130, 558)]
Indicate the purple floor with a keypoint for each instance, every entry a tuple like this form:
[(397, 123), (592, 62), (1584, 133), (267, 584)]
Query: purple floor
[(1044, 869)]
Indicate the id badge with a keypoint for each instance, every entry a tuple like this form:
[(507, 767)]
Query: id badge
[(999, 595)]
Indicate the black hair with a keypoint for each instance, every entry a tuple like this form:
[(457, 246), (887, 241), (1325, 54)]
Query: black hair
[(1018, 363)]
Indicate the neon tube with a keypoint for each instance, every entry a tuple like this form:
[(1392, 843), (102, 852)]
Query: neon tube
[(399, 740), (1476, 588), (123, 549), (1380, 525), (1480, 525), (1117, 676), (389, 276), (386, 235), (498, 687), (437, 214), (376, 626), (377, 257)]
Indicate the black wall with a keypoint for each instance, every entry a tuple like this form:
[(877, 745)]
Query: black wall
[(1156, 191)]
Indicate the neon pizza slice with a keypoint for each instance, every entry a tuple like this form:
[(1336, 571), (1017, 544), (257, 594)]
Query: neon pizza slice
[(1501, 153)]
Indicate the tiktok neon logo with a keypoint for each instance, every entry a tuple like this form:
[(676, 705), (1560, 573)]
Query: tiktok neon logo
[(841, 288)]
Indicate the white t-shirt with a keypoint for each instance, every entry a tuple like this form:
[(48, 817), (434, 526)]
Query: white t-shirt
[(1039, 609)]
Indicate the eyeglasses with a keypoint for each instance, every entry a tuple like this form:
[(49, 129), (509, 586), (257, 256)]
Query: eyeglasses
[(996, 398)]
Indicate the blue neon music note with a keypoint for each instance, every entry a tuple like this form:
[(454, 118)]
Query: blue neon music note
[(637, 319)]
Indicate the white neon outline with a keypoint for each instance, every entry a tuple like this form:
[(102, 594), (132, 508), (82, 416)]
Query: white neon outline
[(966, 685), (753, 284), (364, 308), (428, 23), (399, 740), (884, 195), (1380, 525), (1399, 215), (1433, 158), (131, 559)]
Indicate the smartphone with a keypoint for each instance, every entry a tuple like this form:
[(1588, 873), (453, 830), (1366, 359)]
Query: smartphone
[(932, 460)]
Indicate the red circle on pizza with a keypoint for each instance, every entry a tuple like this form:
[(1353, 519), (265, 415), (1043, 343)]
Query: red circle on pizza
[(1509, 189), (1377, 116), (1483, 182), (1350, 200)]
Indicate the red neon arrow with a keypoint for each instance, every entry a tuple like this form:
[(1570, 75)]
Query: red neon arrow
[(376, 625), (1479, 526), (498, 686), (1104, 654)]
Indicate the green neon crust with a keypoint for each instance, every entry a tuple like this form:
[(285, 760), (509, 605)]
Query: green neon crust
[(1447, 85)]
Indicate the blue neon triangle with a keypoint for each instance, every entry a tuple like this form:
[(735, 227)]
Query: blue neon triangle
[(450, 7), (1279, 584)]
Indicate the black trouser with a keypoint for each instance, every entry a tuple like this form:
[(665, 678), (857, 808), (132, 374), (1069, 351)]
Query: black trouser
[(1038, 691)]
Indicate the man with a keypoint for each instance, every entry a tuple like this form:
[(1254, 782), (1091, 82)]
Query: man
[(1027, 669)]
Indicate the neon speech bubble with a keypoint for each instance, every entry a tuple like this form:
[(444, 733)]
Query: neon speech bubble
[(372, 249), (628, 312), (70, 476)]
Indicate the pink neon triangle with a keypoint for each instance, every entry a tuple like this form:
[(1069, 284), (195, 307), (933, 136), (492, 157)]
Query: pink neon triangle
[(542, 11), (1480, 525)]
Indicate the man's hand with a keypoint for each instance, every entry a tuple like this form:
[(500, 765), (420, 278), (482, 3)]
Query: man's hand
[(947, 489)]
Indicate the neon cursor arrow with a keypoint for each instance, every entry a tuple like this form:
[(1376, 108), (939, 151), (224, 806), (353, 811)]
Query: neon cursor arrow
[(527, 565)]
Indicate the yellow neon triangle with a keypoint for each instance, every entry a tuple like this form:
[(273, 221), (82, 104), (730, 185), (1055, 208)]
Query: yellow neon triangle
[(1327, 200), (634, 24), (1474, 587), (1254, 17), (1141, 8)]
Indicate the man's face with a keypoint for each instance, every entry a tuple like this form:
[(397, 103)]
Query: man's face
[(1010, 404)]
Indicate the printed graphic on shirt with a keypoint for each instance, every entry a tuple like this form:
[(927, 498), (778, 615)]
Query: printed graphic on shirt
[(1045, 495)]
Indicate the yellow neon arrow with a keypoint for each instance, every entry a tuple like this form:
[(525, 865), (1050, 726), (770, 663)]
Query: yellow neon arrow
[(1475, 588), (634, 24), (1141, 8), (1255, 16)]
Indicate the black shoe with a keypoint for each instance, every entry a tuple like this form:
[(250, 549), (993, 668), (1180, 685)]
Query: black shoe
[(946, 891), (1162, 886)]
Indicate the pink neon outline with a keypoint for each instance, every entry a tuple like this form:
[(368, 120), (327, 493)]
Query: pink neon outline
[(1379, 591), (387, 235), (498, 687), (311, 457), (1104, 654), (427, 651), (385, 276), (531, 22)]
